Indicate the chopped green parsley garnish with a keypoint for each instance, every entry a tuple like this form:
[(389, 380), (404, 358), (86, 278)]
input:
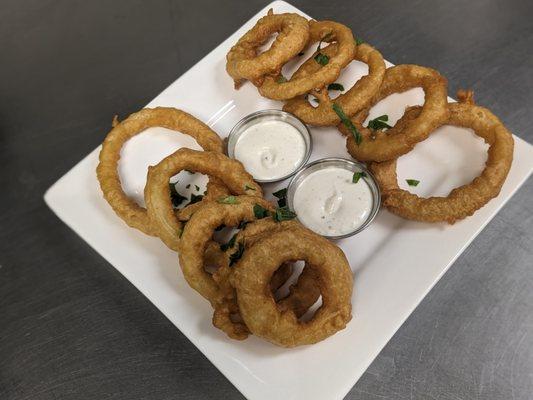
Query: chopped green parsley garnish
[(336, 86), (322, 59), (247, 187), (348, 123), (283, 214), (357, 176), (412, 182), (260, 212), (281, 195), (228, 200), (379, 123)]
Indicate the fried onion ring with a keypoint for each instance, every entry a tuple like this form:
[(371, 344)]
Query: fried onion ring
[(107, 171), (243, 62), (383, 146), (198, 232), (257, 305), (327, 31), (354, 100), (196, 237), (157, 195), (465, 200), (305, 292)]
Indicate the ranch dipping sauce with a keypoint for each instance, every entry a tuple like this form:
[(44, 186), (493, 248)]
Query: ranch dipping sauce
[(272, 145), (334, 197)]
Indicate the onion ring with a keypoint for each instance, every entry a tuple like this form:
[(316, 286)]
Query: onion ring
[(351, 102), (107, 171), (244, 63), (257, 305), (465, 200), (381, 146), (196, 237), (198, 232), (327, 31), (226, 315), (305, 292), (157, 195)]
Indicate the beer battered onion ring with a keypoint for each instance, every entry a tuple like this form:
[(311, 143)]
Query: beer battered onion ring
[(157, 193), (305, 292), (226, 316), (107, 171), (465, 200), (216, 288), (383, 146), (327, 31), (257, 305), (354, 100), (244, 63)]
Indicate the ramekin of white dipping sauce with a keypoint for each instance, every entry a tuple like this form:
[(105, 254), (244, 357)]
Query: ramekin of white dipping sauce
[(271, 144), (327, 201)]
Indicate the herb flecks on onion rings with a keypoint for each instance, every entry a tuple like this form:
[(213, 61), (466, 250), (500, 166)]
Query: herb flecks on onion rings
[(328, 31), (107, 171), (465, 200), (243, 62), (354, 100), (257, 305), (382, 146), (157, 194)]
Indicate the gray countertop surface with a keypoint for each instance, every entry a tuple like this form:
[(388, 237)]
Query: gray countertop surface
[(71, 327)]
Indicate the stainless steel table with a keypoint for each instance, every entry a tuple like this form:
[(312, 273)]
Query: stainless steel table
[(71, 327)]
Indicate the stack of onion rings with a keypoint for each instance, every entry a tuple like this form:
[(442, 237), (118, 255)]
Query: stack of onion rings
[(216, 287), (351, 102), (157, 193), (326, 31), (383, 146), (208, 266)]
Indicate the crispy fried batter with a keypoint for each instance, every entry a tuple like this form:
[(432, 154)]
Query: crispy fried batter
[(157, 195), (465, 200), (352, 101), (257, 305), (306, 291), (199, 231), (243, 61), (327, 31), (107, 171), (383, 146)]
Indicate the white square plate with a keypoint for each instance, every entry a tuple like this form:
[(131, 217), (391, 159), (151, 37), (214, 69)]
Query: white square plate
[(396, 262)]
